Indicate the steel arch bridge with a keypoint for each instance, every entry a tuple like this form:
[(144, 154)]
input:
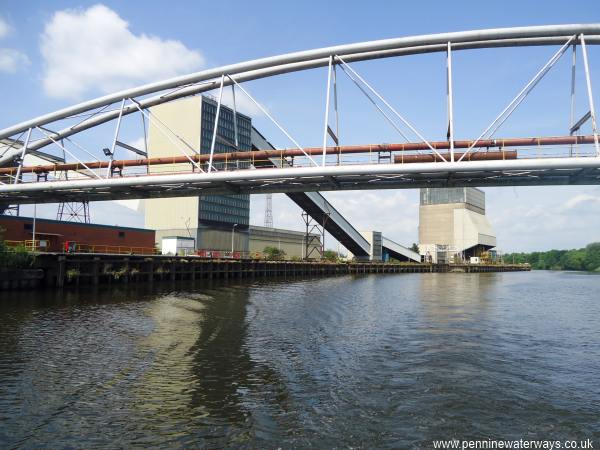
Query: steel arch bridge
[(80, 174)]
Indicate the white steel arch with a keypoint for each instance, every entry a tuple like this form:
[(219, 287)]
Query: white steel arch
[(364, 176), (292, 62)]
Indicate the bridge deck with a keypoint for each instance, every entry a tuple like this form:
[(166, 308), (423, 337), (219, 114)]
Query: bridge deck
[(520, 172)]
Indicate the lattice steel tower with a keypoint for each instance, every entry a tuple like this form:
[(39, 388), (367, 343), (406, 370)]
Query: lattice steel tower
[(74, 212)]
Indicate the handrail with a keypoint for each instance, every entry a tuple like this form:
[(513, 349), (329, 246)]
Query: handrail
[(86, 248), (114, 249)]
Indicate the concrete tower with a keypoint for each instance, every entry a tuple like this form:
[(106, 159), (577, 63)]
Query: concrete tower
[(453, 225)]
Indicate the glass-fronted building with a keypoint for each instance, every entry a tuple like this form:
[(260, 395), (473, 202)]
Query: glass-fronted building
[(224, 209), (215, 222)]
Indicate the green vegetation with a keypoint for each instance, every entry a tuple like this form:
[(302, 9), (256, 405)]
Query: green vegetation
[(14, 257), (273, 253), (587, 258), (415, 247), (394, 261), (331, 255), (119, 273)]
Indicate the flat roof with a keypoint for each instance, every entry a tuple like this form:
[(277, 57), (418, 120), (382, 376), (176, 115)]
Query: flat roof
[(282, 231), (66, 222)]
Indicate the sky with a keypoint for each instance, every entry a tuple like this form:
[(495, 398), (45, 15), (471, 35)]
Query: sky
[(55, 54)]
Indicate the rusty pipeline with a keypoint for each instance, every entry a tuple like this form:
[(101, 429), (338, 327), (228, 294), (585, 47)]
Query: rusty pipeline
[(258, 155), (475, 156)]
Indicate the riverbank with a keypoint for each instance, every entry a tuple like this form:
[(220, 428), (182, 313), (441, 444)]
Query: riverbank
[(585, 259), (55, 270)]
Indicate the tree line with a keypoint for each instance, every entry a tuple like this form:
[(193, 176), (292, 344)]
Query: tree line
[(587, 259)]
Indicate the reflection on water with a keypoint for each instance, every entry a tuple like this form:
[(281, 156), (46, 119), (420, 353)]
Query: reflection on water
[(364, 361)]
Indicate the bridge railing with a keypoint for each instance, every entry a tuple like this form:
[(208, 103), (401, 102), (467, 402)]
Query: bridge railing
[(54, 172), (114, 249), (41, 245)]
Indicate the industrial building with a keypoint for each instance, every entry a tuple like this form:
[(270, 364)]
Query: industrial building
[(220, 223), (210, 220), (375, 240), (293, 243), (452, 224), (217, 222), (55, 235)]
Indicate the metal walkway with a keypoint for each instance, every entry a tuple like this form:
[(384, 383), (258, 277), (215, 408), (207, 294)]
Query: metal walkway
[(325, 214), (320, 209), (397, 251)]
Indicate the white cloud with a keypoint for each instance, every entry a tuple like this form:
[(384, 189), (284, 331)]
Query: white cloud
[(90, 49), (541, 218), (11, 60), (393, 212), (580, 200), (4, 28)]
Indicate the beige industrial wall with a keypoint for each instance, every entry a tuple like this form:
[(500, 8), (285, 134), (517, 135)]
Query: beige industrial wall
[(457, 225), (472, 229), (171, 213), (291, 242), (179, 216), (213, 239), (209, 239), (436, 223), (253, 240), (183, 118)]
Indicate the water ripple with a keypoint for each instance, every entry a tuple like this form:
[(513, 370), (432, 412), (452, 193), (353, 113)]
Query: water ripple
[(387, 361)]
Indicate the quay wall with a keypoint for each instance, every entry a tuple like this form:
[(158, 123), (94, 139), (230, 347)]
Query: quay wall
[(58, 270)]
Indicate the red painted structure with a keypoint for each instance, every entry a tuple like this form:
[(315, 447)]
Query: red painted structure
[(88, 237)]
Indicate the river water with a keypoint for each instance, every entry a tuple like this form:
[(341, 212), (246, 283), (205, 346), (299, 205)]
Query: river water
[(387, 361)]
